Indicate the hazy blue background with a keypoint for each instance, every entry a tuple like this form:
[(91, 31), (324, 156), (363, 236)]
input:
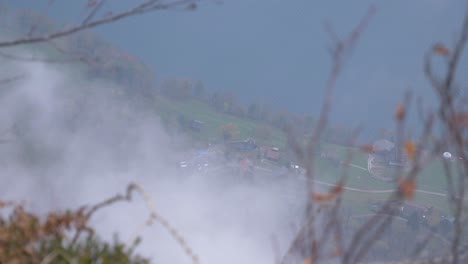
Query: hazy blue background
[(276, 51)]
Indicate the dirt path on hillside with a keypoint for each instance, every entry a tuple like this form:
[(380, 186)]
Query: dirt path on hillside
[(377, 191), (357, 189), (363, 190)]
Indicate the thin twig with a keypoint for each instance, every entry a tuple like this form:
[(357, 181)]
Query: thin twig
[(11, 79), (154, 217), (145, 7)]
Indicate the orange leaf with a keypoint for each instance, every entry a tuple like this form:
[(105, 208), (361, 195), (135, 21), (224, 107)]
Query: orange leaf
[(367, 148), (441, 49), (410, 149), (92, 3), (307, 261), (338, 252), (338, 188), (322, 196), (330, 195), (461, 118), (5, 204), (407, 187), (400, 112)]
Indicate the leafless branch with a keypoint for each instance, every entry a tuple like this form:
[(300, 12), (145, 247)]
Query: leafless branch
[(153, 217), (11, 79), (144, 7), (307, 235), (461, 256), (447, 112), (14, 57), (93, 12)]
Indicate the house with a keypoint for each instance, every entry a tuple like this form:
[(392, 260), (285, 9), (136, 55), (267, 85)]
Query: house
[(331, 156), (242, 145), (196, 125), (270, 153), (416, 214), (240, 149), (246, 167), (273, 154), (384, 158)]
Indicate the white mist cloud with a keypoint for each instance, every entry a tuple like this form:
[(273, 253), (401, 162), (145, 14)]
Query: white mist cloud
[(75, 143)]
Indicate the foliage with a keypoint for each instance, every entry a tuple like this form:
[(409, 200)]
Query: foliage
[(229, 131), (28, 238)]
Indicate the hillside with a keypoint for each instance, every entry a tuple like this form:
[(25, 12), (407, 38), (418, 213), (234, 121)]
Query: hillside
[(178, 104), (82, 120)]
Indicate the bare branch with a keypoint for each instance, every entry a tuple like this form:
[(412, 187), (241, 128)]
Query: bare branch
[(462, 256), (13, 57), (94, 11), (306, 237), (446, 92), (11, 79), (154, 217), (145, 7)]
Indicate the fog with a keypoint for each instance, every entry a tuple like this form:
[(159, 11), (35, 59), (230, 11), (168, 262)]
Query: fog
[(70, 141), (278, 53)]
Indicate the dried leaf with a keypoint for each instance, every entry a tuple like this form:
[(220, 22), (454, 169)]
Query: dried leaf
[(367, 148), (319, 197), (338, 252), (400, 112), (410, 149), (92, 3), (322, 196), (314, 248), (441, 49), (461, 118), (338, 188), (407, 187)]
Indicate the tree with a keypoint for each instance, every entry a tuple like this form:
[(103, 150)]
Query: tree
[(310, 244), (216, 101), (308, 124), (229, 131), (229, 100), (253, 111), (266, 113), (183, 122), (74, 46), (282, 119), (199, 90), (238, 110), (27, 238)]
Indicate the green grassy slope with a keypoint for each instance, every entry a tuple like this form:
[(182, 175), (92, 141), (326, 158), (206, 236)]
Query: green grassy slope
[(193, 109), (430, 179)]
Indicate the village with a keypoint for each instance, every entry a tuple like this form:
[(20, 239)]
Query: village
[(246, 161)]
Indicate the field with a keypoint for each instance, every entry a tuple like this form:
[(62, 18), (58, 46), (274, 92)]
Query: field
[(214, 120), (360, 179), (431, 179)]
